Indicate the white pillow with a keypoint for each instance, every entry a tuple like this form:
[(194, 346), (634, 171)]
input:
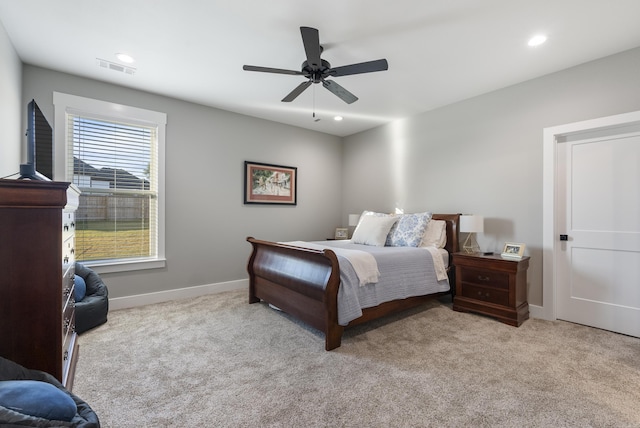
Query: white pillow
[(373, 230), (409, 230), (373, 213), (435, 235)]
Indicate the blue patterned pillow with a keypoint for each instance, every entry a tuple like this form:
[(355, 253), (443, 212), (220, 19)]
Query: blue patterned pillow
[(408, 230)]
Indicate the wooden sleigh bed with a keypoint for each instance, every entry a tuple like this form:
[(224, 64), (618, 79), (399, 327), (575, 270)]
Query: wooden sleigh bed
[(304, 283)]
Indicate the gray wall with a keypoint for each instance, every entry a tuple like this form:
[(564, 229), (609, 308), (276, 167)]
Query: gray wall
[(206, 220), (484, 155), (11, 106)]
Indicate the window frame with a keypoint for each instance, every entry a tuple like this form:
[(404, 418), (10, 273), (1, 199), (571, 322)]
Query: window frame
[(66, 103)]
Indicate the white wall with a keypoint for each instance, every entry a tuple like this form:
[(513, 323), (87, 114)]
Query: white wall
[(484, 155), (206, 220), (10, 107)]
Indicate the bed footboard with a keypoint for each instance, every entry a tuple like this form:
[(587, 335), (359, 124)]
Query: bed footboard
[(302, 282)]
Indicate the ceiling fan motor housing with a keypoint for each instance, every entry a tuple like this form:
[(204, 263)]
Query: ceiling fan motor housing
[(316, 74)]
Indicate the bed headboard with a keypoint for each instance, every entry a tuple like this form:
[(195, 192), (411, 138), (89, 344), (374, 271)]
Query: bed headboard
[(453, 229)]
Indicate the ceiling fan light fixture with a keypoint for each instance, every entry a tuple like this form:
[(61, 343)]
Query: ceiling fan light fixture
[(537, 40)]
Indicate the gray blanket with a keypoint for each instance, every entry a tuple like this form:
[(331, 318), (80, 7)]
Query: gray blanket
[(404, 272)]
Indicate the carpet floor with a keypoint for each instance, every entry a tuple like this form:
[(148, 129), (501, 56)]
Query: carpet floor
[(216, 361)]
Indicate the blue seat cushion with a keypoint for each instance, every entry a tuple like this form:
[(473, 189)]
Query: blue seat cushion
[(80, 289), (39, 399)]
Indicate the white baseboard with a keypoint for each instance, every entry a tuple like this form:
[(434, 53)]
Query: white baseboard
[(536, 311), (176, 294), (116, 303)]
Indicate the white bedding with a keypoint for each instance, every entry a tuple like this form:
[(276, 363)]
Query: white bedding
[(404, 272), (364, 264)]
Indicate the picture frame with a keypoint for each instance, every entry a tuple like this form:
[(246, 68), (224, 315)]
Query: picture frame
[(266, 183), (342, 233), (513, 250)]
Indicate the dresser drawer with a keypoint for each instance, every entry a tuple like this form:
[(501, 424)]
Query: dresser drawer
[(486, 278), (68, 252), (67, 286), (68, 224), (68, 319), (69, 338), (486, 294)]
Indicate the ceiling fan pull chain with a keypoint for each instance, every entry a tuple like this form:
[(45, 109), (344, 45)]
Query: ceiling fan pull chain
[(314, 105)]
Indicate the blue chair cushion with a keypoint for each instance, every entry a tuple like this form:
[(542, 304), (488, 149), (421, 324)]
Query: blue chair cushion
[(80, 289), (38, 399)]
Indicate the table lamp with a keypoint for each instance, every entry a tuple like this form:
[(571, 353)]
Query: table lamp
[(471, 224)]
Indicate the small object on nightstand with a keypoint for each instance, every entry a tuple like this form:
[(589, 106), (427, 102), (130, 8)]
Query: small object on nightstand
[(513, 251), (342, 233), (492, 285), (488, 253)]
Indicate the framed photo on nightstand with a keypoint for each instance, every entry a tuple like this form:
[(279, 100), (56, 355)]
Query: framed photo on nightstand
[(512, 250), (342, 233)]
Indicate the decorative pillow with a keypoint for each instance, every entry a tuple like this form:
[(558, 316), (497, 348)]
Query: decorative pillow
[(80, 289), (408, 231), (371, 213), (38, 399), (373, 230), (435, 235)]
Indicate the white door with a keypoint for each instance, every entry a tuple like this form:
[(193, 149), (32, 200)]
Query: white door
[(598, 266)]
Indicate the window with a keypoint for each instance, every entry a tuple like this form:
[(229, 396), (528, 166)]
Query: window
[(114, 155)]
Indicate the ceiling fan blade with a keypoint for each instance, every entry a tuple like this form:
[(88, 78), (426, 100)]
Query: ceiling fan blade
[(297, 91), (270, 70), (339, 91), (311, 41), (362, 67)]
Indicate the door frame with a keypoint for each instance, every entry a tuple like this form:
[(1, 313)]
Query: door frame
[(551, 137)]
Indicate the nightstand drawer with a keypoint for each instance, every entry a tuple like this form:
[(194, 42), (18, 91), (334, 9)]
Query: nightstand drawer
[(486, 294), (485, 278)]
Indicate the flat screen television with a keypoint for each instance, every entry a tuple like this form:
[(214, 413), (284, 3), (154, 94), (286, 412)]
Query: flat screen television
[(39, 164)]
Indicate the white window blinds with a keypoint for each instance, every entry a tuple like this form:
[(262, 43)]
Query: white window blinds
[(115, 165)]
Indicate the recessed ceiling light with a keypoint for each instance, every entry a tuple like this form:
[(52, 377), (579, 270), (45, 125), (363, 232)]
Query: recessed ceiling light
[(125, 58), (338, 118), (537, 40)]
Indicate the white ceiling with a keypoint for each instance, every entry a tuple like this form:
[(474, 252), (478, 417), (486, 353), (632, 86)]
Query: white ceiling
[(439, 51)]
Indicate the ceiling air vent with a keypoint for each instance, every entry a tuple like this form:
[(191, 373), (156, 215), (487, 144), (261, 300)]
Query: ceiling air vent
[(116, 67)]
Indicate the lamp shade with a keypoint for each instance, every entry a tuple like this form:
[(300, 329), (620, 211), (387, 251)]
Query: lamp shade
[(470, 223), (353, 219)]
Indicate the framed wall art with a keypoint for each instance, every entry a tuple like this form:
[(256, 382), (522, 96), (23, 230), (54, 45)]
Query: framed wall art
[(270, 184)]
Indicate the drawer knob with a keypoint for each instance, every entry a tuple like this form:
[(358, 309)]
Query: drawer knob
[(483, 278)]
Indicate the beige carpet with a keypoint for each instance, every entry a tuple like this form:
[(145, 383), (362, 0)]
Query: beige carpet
[(216, 361)]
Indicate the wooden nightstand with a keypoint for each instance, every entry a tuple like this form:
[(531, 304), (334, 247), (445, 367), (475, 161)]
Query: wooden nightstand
[(492, 286)]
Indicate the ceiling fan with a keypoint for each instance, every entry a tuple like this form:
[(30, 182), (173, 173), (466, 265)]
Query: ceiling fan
[(317, 70)]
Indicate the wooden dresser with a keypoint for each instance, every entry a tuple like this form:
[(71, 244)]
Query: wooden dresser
[(493, 286), (37, 320)]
